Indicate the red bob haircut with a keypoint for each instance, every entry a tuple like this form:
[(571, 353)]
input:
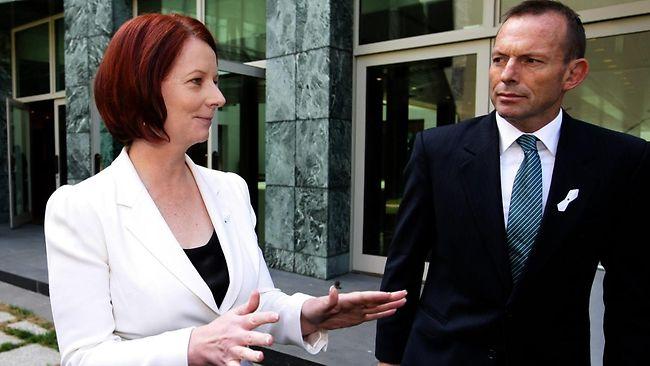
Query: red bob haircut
[(128, 81)]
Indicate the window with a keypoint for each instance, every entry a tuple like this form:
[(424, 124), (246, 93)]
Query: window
[(185, 7), (382, 20), (32, 60), (615, 94), (239, 28)]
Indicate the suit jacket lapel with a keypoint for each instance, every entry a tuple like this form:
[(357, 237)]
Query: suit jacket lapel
[(482, 184), (573, 169), (221, 215), (143, 219)]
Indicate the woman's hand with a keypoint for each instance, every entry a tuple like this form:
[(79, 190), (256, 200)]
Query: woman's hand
[(345, 310), (225, 340)]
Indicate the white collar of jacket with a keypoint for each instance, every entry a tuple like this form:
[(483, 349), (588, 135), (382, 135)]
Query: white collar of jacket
[(144, 221)]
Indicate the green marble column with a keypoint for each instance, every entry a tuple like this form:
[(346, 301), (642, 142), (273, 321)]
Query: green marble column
[(308, 138), (89, 26)]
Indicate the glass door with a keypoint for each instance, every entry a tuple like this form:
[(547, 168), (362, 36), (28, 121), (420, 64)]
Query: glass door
[(19, 163), (401, 94)]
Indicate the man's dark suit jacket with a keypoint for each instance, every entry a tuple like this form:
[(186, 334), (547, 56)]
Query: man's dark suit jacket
[(469, 312)]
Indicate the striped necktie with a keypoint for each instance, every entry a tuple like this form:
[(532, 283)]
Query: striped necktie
[(525, 213)]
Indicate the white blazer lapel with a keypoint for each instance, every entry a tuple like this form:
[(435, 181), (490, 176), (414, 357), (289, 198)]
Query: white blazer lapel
[(220, 213), (142, 218)]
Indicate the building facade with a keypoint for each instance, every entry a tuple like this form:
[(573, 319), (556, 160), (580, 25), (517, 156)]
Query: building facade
[(324, 98)]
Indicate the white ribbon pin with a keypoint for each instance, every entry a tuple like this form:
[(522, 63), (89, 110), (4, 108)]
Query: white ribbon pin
[(573, 194)]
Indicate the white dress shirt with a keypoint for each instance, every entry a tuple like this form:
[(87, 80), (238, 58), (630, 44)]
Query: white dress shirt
[(512, 155)]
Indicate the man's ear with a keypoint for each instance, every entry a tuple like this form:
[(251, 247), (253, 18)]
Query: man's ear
[(575, 73)]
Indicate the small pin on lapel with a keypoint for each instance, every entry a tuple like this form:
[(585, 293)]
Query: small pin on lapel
[(572, 195)]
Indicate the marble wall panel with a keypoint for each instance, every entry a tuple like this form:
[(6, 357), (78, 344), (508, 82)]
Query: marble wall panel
[(340, 152), (280, 28), (100, 20), (279, 258), (75, 13), (78, 146), (96, 47), (281, 89), (313, 84), (341, 84), (106, 148), (312, 24), (78, 110), (280, 155), (279, 217), (338, 221), (320, 267), (341, 20), (122, 11), (311, 221), (312, 163), (76, 61)]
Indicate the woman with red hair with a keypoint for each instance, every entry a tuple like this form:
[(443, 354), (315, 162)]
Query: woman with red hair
[(154, 261)]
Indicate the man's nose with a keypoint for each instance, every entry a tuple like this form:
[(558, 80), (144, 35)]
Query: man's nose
[(510, 72)]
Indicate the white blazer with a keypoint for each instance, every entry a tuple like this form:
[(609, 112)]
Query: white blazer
[(122, 290)]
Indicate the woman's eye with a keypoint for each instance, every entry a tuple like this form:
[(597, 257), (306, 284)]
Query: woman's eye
[(196, 81)]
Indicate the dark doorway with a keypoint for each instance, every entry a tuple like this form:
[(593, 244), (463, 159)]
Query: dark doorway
[(43, 169)]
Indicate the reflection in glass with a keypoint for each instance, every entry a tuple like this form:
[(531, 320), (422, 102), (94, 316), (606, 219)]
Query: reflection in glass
[(615, 94), (239, 26), (20, 161), (382, 20), (32, 61), (402, 100), (576, 5), (59, 53), (185, 7)]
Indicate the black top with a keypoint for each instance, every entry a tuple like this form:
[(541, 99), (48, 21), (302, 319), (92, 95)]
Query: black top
[(211, 265)]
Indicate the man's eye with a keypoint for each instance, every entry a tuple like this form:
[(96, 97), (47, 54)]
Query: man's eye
[(532, 60), (496, 60)]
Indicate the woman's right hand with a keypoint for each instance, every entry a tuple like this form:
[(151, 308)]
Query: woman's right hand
[(225, 340)]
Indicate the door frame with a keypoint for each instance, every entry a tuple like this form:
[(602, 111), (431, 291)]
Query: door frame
[(57, 143)]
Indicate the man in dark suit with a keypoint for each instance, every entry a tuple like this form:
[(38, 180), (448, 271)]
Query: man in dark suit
[(516, 209)]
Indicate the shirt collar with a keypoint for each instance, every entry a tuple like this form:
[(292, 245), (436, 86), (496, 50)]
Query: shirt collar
[(549, 135)]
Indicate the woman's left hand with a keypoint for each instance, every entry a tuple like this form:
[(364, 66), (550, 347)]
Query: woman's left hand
[(345, 310)]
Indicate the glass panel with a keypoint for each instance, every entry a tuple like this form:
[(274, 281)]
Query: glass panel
[(185, 7), (20, 164), (239, 26), (401, 100), (32, 61), (616, 94), (59, 54), (382, 20), (241, 136), (576, 5)]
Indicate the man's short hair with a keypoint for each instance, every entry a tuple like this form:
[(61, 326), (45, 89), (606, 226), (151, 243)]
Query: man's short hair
[(128, 82), (575, 42)]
